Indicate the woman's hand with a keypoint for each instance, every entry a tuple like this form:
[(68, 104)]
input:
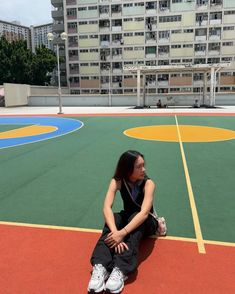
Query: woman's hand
[(121, 247), (114, 238)]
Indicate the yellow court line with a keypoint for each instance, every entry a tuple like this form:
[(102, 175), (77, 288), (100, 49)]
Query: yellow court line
[(219, 243), (39, 226), (75, 229), (197, 227)]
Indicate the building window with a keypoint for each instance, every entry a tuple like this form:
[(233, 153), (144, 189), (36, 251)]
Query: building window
[(172, 18)]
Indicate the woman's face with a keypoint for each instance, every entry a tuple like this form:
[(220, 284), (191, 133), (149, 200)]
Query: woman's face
[(139, 170)]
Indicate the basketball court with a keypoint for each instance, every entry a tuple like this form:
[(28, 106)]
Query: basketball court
[(54, 175)]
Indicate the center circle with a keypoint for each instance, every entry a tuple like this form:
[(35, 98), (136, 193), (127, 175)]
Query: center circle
[(183, 133)]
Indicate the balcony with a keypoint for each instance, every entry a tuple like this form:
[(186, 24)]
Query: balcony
[(162, 83), (74, 85), (117, 57), (72, 16), (57, 3), (164, 6), (105, 54), (117, 70), (151, 84), (62, 53), (163, 51), (200, 38), (215, 21), (202, 4), (73, 58), (116, 28), (104, 44), (164, 40), (104, 11), (58, 27), (214, 49), (71, 2), (150, 52), (216, 4), (104, 26), (72, 30), (57, 14), (151, 37), (116, 10), (214, 52), (151, 8), (105, 85), (73, 44), (215, 37), (200, 52), (104, 71)]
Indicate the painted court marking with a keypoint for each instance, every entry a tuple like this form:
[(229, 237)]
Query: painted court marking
[(189, 133), (27, 131), (169, 133), (184, 133), (196, 222), (76, 229), (35, 129)]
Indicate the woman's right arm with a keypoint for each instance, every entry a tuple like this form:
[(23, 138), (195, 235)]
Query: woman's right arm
[(108, 202)]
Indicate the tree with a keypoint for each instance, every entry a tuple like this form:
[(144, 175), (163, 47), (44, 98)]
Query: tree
[(43, 63), (19, 65)]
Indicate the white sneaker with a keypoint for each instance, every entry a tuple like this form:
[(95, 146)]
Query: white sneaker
[(98, 278), (115, 283)]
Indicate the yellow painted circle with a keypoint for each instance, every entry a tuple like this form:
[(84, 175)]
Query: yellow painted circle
[(27, 131), (183, 133)]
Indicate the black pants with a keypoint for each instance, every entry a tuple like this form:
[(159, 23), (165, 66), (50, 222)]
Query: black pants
[(128, 260)]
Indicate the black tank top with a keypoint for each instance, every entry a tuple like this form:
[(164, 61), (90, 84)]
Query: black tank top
[(128, 204)]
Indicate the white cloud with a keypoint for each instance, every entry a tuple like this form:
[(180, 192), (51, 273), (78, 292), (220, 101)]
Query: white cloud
[(28, 12)]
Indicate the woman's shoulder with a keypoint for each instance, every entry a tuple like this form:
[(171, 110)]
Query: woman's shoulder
[(116, 184), (149, 183)]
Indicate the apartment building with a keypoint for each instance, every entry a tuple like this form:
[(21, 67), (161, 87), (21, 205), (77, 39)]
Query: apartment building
[(106, 35), (14, 31), (39, 36), (34, 35)]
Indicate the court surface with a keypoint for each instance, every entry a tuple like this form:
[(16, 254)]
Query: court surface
[(54, 175)]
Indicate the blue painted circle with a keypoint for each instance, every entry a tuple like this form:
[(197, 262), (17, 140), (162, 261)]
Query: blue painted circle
[(63, 125)]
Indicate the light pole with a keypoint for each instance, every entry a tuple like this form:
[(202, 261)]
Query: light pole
[(110, 101), (63, 37)]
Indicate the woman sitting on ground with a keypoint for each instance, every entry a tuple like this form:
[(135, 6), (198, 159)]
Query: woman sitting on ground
[(116, 253)]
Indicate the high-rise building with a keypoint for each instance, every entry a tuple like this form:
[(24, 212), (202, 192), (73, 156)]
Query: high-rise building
[(39, 36), (14, 31), (106, 35), (35, 35)]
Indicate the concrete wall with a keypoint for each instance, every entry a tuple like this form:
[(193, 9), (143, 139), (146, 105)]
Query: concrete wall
[(41, 90), (128, 100), (16, 95)]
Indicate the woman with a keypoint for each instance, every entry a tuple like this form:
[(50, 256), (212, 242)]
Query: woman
[(116, 251)]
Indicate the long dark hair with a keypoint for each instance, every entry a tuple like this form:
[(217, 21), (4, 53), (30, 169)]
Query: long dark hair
[(125, 165)]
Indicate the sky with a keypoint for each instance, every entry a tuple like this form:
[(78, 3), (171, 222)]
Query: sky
[(27, 12)]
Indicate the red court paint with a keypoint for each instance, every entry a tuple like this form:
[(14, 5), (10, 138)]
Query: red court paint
[(43, 261)]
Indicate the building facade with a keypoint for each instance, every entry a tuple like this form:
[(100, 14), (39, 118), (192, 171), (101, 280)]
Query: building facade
[(13, 31), (106, 35), (34, 35), (39, 36)]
